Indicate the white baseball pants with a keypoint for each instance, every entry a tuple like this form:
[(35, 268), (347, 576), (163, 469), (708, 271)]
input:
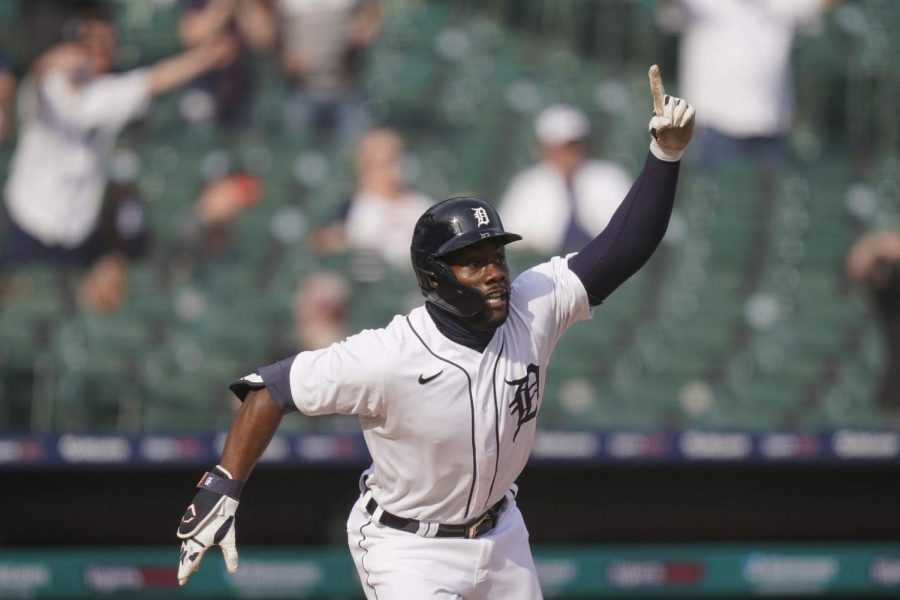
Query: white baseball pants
[(396, 565)]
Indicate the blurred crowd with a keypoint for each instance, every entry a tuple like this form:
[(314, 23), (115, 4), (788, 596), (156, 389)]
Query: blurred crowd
[(71, 105), (64, 111)]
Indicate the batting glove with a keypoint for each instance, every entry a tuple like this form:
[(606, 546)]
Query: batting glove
[(672, 124), (209, 521)]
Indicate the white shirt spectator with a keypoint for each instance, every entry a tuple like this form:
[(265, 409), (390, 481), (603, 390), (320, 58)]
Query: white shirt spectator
[(317, 31), (735, 62), (537, 205), (59, 170), (385, 226)]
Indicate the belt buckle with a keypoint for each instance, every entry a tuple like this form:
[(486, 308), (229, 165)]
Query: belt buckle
[(482, 525)]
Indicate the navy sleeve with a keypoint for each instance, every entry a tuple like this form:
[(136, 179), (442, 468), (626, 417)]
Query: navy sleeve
[(633, 233), (275, 377)]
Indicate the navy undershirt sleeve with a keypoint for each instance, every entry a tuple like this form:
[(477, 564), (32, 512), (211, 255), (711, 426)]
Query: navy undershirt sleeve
[(633, 233), (277, 378)]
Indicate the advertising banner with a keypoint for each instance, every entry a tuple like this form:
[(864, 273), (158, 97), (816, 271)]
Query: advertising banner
[(677, 571)]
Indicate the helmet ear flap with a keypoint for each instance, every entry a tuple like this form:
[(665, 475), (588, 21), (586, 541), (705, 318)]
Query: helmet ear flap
[(440, 287), (429, 278)]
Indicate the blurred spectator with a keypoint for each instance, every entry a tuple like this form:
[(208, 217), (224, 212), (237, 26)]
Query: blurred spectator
[(734, 65), (71, 108), (232, 86), (382, 212), (207, 234), (121, 233), (225, 198), (322, 45), (320, 310), (874, 261), (560, 203), (218, 205), (7, 96)]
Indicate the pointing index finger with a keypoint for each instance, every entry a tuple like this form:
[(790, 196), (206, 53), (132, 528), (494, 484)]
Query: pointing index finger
[(657, 90)]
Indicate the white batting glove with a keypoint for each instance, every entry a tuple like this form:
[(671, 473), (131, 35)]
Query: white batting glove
[(672, 124), (209, 521)]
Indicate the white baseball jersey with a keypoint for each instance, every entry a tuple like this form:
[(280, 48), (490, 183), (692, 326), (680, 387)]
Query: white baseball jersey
[(449, 428)]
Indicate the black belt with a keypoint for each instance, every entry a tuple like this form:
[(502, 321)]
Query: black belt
[(470, 529)]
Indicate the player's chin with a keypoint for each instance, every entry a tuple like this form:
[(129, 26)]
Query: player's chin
[(496, 310)]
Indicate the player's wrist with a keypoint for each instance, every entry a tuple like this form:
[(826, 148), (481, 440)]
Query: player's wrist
[(664, 154), (219, 480)]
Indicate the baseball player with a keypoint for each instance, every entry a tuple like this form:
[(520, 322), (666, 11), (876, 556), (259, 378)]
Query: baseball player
[(448, 394)]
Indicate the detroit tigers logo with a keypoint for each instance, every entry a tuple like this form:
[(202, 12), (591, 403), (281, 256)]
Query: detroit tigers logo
[(481, 216), (525, 400)]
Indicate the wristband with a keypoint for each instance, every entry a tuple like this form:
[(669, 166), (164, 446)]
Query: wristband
[(225, 486), (664, 155)]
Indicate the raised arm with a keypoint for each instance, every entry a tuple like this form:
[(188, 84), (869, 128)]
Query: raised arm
[(366, 24), (171, 73), (199, 25), (640, 222), (87, 103), (256, 22)]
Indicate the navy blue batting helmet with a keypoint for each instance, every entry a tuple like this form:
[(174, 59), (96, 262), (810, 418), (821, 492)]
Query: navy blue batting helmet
[(447, 226)]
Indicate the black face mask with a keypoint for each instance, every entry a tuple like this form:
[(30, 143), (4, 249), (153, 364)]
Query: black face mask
[(472, 332)]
